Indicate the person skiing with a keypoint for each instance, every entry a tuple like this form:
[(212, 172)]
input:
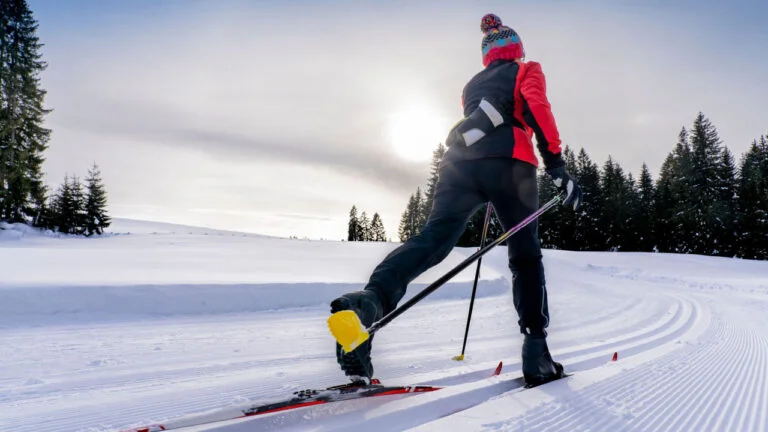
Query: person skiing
[(489, 157)]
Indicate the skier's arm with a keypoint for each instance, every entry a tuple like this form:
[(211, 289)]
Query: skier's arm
[(537, 113)]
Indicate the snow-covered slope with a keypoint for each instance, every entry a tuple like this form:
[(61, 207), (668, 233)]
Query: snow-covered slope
[(167, 321), (154, 270)]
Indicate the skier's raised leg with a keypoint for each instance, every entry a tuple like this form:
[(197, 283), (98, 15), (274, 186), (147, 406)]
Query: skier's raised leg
[(455, 201)]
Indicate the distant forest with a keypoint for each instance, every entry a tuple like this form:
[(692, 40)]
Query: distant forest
[(703, 202), (361, 228)]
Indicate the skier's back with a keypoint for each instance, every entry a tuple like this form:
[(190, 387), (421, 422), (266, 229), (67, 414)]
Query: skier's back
[(490, 157)]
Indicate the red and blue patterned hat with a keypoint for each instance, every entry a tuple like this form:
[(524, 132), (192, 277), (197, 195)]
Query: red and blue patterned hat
[(500, 41)]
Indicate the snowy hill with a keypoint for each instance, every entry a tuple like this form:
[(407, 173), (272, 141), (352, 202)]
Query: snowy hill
[(156, 322)]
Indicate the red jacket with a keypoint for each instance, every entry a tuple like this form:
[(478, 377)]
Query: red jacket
[(533, 108), (518, 89)]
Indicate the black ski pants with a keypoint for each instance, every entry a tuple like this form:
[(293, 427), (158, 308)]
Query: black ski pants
[(463, 187)]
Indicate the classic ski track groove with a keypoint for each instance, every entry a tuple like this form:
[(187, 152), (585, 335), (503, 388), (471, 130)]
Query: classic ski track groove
[(593, 352), (715, 380), (551, 418), (613, 319), (648, 331), (661, 403), (643, 331), (681, 318), (626, 306), (746, 348), (598, 319), (719, 380)]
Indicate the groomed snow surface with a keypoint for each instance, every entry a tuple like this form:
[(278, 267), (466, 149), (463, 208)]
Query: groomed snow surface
[(159, 323)]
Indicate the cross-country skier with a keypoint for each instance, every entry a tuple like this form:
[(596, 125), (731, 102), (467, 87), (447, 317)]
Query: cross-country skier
[(490, 157)]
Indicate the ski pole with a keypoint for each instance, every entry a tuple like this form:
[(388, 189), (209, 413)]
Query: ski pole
[(474, 286), (345, 326)]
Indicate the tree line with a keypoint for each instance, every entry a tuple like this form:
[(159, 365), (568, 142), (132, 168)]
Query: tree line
[(703, 202), (78, 209), (363, 229), (23, 139)]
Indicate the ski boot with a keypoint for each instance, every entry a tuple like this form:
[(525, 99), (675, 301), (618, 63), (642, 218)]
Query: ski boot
[(357, 364), (538, 366)]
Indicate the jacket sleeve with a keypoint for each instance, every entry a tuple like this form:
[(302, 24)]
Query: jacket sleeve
[(537, 113)]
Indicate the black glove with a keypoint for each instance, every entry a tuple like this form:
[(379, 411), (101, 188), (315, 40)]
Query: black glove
[(566, 184)]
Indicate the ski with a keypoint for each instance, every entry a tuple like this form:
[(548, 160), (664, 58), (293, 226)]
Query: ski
[(300, 399), (336, 394), (530, 386)]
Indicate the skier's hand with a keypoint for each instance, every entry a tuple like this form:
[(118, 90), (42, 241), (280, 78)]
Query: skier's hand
[(455, 138), (479, 124), (567, 184)]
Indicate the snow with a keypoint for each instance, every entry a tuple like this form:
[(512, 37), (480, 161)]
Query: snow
[(160, 323)]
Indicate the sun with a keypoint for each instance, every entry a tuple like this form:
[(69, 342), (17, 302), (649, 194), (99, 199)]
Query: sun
[(415, 132)]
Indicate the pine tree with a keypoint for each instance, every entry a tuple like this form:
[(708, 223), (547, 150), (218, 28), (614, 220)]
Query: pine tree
[(411, 220), (405, 229), (632, 236), (429, 194), (417, 220), (724, 208), (549, 225), (65, 208), (566, 216), (53, 215), (616, 206), (377, 229), (495, 228), (473, 231), (96, 203), (364, 228), (352, 229), (753, 201), (562, 228), (675, 202), (48, 215), (23, 139), (588, 234), (704, 182), (664, 211), (79, 199), (646, 211)]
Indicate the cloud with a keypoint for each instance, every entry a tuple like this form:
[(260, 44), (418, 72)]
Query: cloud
[(152, 123), (243, 97), (234, 88)]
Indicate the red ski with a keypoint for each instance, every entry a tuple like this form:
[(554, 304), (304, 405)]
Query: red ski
[(300, 399)]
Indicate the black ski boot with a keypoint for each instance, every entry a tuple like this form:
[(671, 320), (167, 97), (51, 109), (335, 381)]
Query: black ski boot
[(538, 366), (367, 305)]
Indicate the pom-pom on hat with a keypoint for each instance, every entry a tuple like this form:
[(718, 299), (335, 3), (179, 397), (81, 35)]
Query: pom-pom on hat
[(500, 41)]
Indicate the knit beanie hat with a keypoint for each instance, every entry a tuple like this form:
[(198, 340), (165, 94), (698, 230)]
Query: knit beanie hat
[(500, 41)]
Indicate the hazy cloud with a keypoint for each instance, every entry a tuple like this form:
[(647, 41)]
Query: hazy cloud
[(277, 108), (145, 122)]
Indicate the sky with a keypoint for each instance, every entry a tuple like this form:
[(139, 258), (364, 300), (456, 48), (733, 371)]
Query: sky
[(276, 117)]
